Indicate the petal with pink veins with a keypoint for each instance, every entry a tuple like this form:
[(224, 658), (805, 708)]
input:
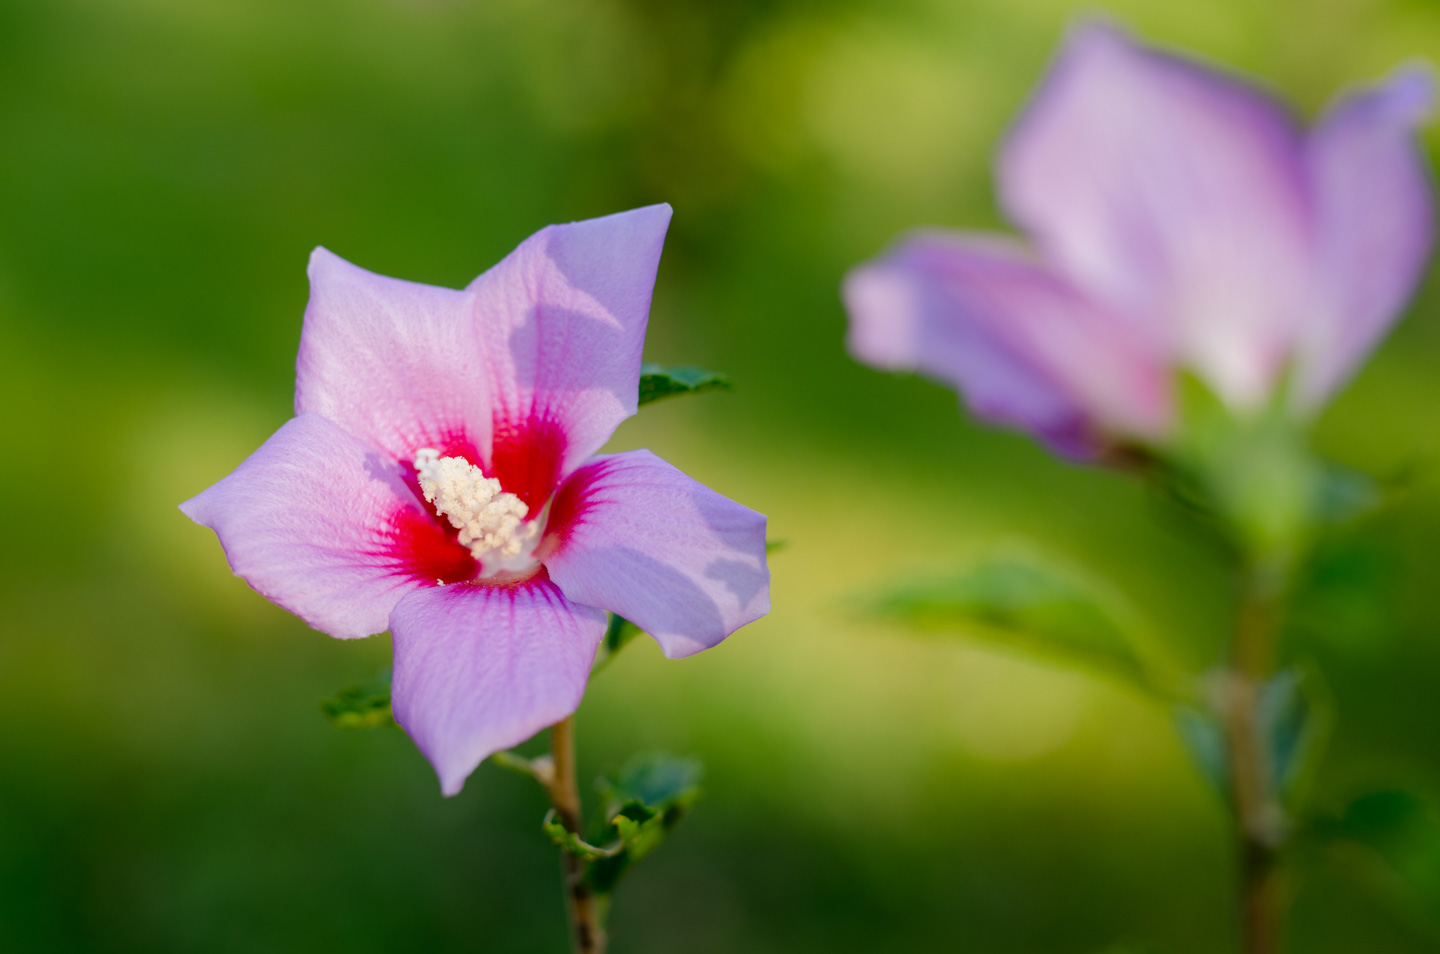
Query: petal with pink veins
[(1375, 223), (635, 536), (563, 322), (1173, 193), (324, 524), (391, 361), (481, 668)]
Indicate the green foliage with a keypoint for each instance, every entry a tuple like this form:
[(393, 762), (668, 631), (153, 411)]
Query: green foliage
[(1343, 495), (618, 635), (1203, 736), (1398, 836), (1024, 605), (567, 840), (638, 810), (658, 382), (1257, 475), (1254, 473), (1296, 717), (642, 805), (365, 706)]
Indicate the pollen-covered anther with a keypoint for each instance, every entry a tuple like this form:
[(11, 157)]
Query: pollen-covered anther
[(491, 522)]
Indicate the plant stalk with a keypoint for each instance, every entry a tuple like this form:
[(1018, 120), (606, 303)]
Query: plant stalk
[(586, 931), (1260, 819)]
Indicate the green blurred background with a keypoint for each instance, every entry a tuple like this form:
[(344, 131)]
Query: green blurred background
[(167, 782)]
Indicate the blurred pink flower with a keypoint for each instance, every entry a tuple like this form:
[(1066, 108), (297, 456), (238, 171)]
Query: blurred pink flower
[(1178, 218), (439, 480)]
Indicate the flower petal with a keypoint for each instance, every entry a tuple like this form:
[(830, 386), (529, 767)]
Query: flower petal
[(1025, 348), (323, 524), (393, 362), (1375, 222), (637, 537), (563, 320), (1173, 193), (481, 668)]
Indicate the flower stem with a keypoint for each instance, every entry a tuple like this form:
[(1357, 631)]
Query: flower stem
[(1260, 819), (587, 933)]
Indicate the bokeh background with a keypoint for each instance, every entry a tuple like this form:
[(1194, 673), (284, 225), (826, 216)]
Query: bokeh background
[(167, 782)]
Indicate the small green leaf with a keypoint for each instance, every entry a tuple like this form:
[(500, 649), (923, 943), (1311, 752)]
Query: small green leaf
[(361, 707), (642, 805), (657, 781), (1027, 606), (618, 635), (775, 546), (658, 381), (1399, 833), (1205, 742), (1293, 715), (1343, 494), (1295, 719), (573, 843)]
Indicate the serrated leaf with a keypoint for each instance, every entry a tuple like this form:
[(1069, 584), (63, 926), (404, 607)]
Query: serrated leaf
[(658, 382), (657, 781), (1401, 832), (1204, 739), (1026, 606), (571, 842), (642, 805), (365, 706)]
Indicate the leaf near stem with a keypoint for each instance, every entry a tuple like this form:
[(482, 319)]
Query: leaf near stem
[(365, 706), (658, 382)]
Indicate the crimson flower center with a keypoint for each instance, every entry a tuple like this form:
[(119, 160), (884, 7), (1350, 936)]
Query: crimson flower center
[(491, 521)]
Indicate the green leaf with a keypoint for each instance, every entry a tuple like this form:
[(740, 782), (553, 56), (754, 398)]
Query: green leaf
[(1343, 494), (361, 707), (1027, 606), (656, 780), (641, 806), (1295, 719), (658, 382), (775, 546), (1204, 739), (571, 842), (618, 635), (1398, 833)]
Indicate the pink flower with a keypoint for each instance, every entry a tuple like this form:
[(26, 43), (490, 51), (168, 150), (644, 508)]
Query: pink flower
[(440, 480), (1178, 219)]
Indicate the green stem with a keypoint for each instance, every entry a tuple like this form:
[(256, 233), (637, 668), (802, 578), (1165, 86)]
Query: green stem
[(1260, 819), (586, 930)]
